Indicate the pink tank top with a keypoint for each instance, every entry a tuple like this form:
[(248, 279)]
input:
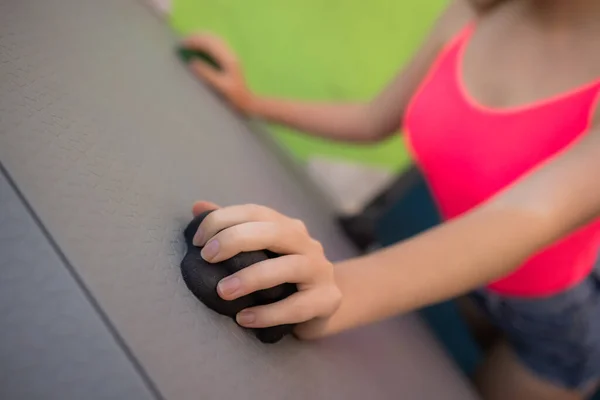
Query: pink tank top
[(468, 152)]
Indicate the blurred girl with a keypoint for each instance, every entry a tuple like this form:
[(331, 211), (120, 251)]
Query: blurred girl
[(502, 114)]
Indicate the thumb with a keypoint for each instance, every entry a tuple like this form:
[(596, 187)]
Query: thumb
[(201, 206), (205, 72)]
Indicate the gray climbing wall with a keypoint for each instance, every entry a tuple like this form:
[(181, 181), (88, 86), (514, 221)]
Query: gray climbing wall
[(53, 343), (110, 141)]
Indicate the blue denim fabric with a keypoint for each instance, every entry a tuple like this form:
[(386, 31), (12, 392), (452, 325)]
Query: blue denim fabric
[(558, 337)]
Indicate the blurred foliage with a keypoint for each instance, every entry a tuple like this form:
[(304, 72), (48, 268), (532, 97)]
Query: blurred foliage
[(318, 50)]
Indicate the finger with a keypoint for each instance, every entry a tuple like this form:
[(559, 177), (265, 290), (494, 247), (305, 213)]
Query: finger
[(206, 73), (234, 215), (264, 275), (204, 41), (250, 236), (297, 308), (202, 206), (215, 46)]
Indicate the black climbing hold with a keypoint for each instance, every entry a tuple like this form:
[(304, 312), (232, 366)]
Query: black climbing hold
[(202, 278), (188, 55)]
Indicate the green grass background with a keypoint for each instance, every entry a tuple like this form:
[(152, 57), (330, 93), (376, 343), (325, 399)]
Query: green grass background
[(318, 50)]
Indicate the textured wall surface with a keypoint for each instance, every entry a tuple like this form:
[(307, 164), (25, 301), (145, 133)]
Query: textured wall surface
[(53, 343), (110, 140)]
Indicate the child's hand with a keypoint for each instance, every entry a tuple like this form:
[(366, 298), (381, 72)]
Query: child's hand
[(231, 230), (229, 81)]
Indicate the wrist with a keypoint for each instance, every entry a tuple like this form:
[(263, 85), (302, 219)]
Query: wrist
[(313, 329), (250, 104), (325, 325)]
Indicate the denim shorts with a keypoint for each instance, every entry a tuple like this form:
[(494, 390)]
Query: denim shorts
[(558, 337)]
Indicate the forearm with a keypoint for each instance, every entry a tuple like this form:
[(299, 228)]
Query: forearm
[(349, 122), (442, 263), (545, 205)]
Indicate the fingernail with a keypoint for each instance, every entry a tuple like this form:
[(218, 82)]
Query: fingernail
[(210, 250), (197, 240), (245, 317), (229, 286)]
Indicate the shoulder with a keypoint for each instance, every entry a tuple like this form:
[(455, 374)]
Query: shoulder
[(596, 112), (458, 14), (592, 50), (596, 104)]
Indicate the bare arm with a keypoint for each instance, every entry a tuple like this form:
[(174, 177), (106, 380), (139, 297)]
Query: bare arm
[(379, 118), (472, 250), (351, 122)]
